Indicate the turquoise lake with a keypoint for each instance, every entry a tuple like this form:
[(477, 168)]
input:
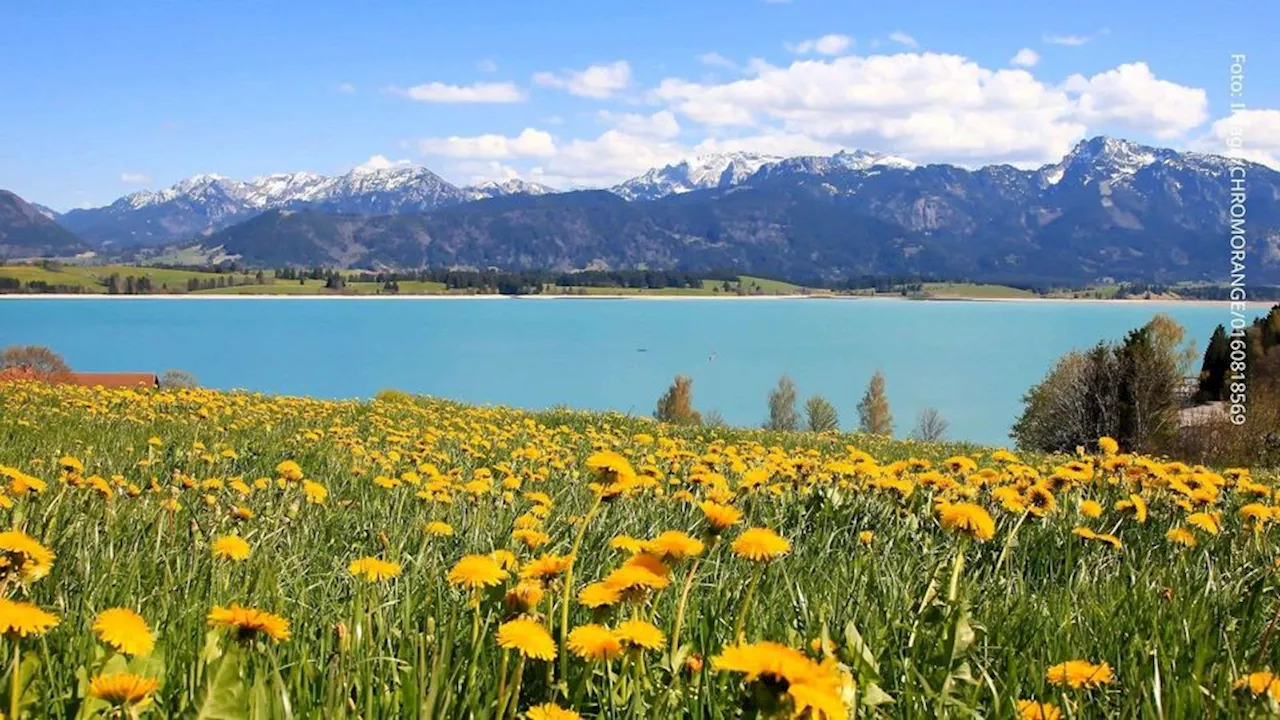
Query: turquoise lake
[(970, 360)]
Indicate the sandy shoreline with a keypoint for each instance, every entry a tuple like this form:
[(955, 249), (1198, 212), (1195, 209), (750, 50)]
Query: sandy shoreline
[(1140, 302)]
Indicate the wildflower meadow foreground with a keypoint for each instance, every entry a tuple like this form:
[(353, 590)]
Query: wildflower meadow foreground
[(222, 555)]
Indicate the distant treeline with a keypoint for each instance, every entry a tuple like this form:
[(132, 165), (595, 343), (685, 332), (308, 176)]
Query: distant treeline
[(1267, 293), (14, 285), (516, 282)]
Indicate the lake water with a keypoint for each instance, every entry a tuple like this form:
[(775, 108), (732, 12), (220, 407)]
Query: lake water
[(970, 360)]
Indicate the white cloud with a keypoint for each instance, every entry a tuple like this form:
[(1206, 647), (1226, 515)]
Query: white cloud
[(825, 45), (1068, 40), (487, 65), (381, 162), (481, 92), (612, 157), (134, 178), (597, 81), (1026, 57), (715, 59), (903, 39), (346, 88), (929, 107), (661, 124), (529, 143), (1132, 97), (1257, 132), (936, 107)]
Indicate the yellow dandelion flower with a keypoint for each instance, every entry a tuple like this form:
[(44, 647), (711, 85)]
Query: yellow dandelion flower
[(231, 547), (314, 492), (477, 571), (611, 468), (1108, 445), (1090, 509), (1079, 674), (123, 689), (528, 637), (24, 555), (720, 517), (22, 619), (808, 685), (545, 568), (532, 539), (1181, 536), (525, 596), (626, 544), (373, 569), (1039, 500), (1259, 683), (598, 595), (439, 529), (1204, 521), (551, 711), (967, 519), (1033, 710), (125, 631), (639, 634), (289, 470), (249, 622), (674, 545), (594, 642), (1135, 506), (760, 545), (866, 537)]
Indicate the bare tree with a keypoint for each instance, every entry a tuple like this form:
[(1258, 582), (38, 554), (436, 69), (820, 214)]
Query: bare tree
[(37, 359), (930, 426), (178, 379)]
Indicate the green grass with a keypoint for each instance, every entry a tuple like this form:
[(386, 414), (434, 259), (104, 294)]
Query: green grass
[(939, 638), (710, 288), (974, 291)]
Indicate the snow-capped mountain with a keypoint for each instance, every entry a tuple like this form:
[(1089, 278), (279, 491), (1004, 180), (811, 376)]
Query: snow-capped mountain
[(202, 204), (703, 172), (1121, 182), (514, 186)]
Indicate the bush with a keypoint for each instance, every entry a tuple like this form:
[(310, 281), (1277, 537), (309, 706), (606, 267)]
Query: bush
[(676, 404), (178, 380)]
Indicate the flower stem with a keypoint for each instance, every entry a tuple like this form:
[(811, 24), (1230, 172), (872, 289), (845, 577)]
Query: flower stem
[(15, 679), (684, 598), (568, 585), (741, 623)]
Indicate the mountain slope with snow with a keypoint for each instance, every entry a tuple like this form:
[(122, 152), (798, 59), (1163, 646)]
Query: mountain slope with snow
[(703, 172)]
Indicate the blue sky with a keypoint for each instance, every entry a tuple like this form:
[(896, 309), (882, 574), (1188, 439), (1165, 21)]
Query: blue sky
[(103, 99)]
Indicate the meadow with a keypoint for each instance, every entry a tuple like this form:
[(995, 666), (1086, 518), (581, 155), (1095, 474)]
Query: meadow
[(225, 555)]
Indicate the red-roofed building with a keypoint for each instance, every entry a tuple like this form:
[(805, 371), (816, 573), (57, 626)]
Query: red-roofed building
[(106, 380), (114, 380)]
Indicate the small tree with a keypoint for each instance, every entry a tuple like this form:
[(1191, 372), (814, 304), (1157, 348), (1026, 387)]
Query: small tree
[(930, 426), (713, 419), (676, 404), (37, 359), (782, 406), (178, 380), (821, 414), (873, 411)]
